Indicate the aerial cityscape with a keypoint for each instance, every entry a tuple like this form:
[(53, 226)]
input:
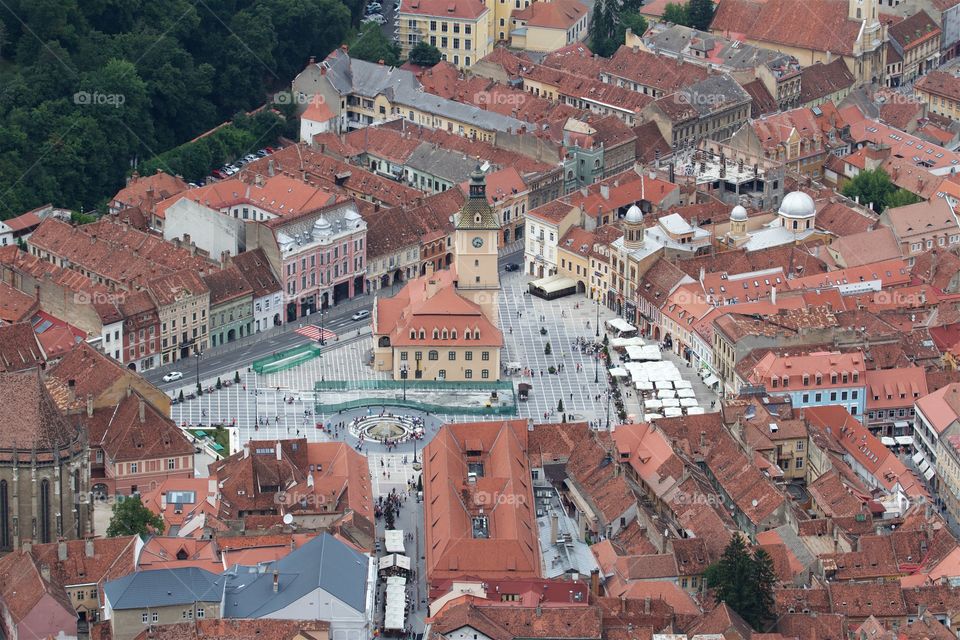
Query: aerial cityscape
[(480, 319)]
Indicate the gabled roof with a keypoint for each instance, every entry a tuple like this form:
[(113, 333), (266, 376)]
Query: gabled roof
[(124, 435), (163, 588), (19, 348), (323, 563), (22, 587), (31, 417)]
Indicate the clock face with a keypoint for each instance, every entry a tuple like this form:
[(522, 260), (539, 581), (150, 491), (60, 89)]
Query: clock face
[(478, 242)]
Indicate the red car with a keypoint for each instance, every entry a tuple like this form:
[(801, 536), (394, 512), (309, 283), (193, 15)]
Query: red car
[(220, 175)]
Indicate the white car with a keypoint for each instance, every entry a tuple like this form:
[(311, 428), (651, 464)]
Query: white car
[(360, 315), (376, 18), (173, 375)]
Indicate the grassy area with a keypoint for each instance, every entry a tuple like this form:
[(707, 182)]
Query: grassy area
[(220, 435)]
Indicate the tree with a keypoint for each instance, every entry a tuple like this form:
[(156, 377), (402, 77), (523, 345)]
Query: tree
[(700, 14), (764, 580), (420, 482), (634, 21), (560, 406), (547, 349), (424, 54), (744, 582), (389, 517), (874, 188), (371, 45), (676, 14), (900, 198), (199, 390), (130, 518)]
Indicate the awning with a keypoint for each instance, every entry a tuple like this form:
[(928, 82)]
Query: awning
[(928, 473), (888, 441), (924, 465), (904, 440), (395, 608), (619, 372), (393, 541), (619, 324), (554, 283), (711, 380), (695, 411), (917, 457), (394, 560)]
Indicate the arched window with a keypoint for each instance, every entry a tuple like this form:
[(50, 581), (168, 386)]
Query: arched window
[(4, 517), (436, 334), (413, 334), (444, 334), (423, 334), (453, 334), (43, 517), (466, 334)]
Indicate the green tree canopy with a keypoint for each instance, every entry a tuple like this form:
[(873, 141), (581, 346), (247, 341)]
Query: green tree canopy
[(874, 188), (371, 45), (700, 14), (130, 517), (677, 14), (424, 54), (744, 581)]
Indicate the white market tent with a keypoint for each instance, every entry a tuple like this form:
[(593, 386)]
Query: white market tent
[(663, 384), (647, 417), (688, 402), (393, 541), (652, 404), (643, 385), (695, 411), (664, 394), (904, 440), (673, 412), (621, 325), (683, 384), (619, 372), (394, 560), (887, 441), (395, 609), (686, 393), (671, 402), (622, 343)]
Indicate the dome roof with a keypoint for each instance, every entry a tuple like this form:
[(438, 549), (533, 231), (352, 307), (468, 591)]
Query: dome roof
[(322, 225), (797, 204), (634, 215), (739, 214)]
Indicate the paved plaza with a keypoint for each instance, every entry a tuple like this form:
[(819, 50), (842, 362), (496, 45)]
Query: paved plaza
[(280, 405)]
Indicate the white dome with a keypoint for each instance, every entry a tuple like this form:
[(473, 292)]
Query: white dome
[(797, 204), (739, 214), (634, 215)]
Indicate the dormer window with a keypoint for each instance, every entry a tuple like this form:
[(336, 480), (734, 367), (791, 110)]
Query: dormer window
[(444, 334), (423, 334), (453, 334), (436, 334), (413, 334), (466, 334), (819, 379)]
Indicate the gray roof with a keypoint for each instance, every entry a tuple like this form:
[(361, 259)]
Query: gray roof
[(437, 161), (324, 562), (401, 87), (735, 55), (164, 587), (715, 93)]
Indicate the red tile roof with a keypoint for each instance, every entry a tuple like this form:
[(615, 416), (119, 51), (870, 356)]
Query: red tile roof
[(461, 9)]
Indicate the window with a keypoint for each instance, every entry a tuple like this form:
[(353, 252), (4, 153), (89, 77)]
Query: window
[(485, 373), (403, 355), (133, 467), (433, 355), (466, 29), (144, 617), (799, 446), (155, 617), (200, 613), (468, 374), (452, 355), (798, 463), (468, 355), (171, 464)]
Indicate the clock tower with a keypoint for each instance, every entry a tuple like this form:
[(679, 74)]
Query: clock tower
[(476, 232)]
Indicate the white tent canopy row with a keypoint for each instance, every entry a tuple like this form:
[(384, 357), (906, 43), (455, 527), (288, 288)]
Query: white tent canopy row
[(653, 371), (393, 541), (648, 353), (395, 609), (619, 372), (622, 343)]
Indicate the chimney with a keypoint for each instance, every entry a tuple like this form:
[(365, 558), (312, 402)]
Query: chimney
[(61, 551), (71, 390), (36, 292), (773, 296), (88, 549), (276, 581), (703, 439), (279, 452), (163, 500), (142, 409), (45, 572), (623, 605), (89, 405), (646, 605), (293, 544), (246, 450), (595, 583), (605, 191), (554, 525), (270, 169)]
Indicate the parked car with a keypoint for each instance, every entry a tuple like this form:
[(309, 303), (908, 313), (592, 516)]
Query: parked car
[(374, 7), (271, 149), (360, 315), (376, 17), (173, 375), (250, 157), (511, 266), (263, 153), (219, 174)]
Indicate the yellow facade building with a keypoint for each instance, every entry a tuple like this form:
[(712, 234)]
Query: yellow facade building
[(460, 29)]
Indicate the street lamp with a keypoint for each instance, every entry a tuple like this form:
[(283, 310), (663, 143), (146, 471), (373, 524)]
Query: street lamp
[(197, 354), (596, 368), (403, 379), (598, 314), (608, 407)]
